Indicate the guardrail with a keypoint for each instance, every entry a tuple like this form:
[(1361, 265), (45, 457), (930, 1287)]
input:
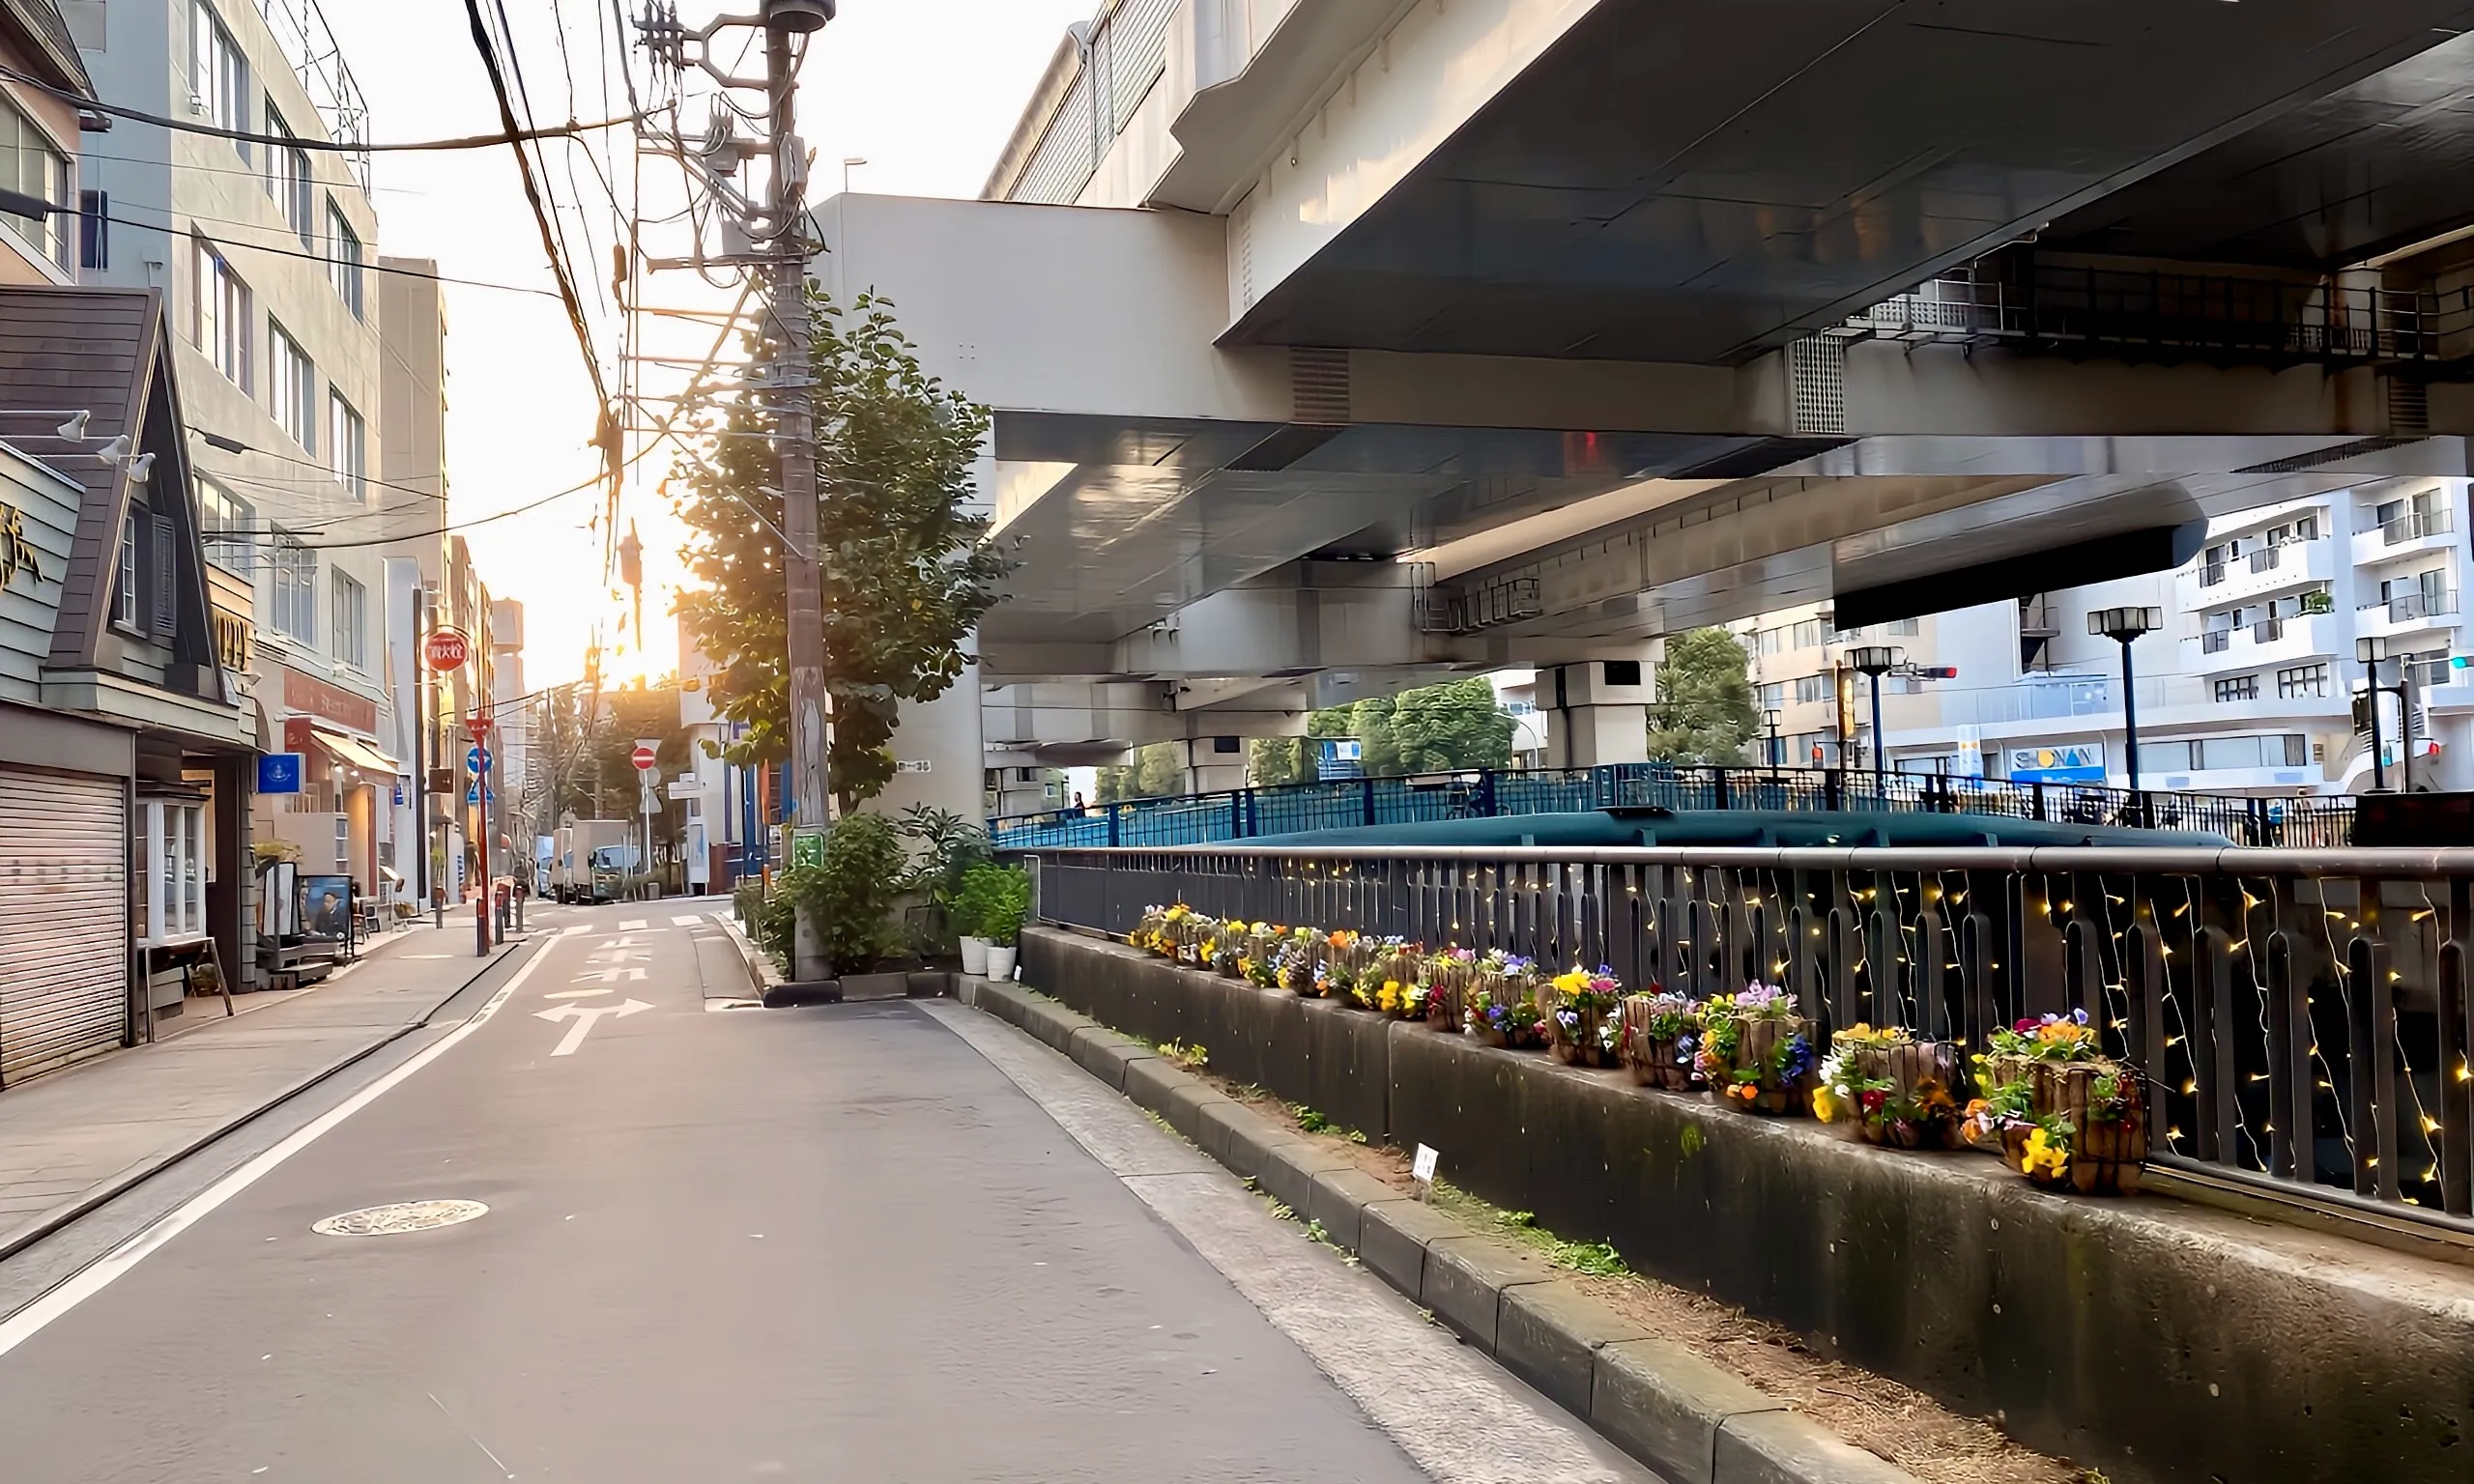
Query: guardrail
[(1247, 814), (2300, 1016)]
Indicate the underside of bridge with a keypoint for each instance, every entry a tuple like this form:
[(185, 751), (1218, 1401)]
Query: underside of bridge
[(1677, 315)]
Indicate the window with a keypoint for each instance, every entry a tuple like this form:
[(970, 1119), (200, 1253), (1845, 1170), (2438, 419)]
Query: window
[(1769, 640), (224, 520), (1812, 688), (218, 74), (1807, 634), (2302, 680), (1902, 628), (295, 569), (347, 639), (1620, 671), (1772, 696), (292, 387), (222, 314), (31, 165), (2238, 688), (2166, 757), (347, 445), (124, 585), (95, 229), (288, 181), (343, 249), (2217, 754)]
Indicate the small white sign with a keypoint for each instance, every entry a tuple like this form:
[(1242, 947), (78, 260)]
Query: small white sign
[(914, 765), (1421, 1169), (686, 788)]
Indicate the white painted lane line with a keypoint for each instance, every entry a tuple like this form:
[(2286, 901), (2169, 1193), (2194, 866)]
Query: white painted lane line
[(1464, 1422), (685, 922), (31, 1321), (633, 925), (586, 1017), (576, 994)]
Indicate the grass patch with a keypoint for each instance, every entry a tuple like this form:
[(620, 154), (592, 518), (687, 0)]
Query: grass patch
[(1595, 1259)]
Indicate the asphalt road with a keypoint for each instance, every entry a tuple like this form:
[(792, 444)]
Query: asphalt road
[(834, 1244)]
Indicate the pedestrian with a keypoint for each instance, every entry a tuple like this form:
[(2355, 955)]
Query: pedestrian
[(1078, 805)]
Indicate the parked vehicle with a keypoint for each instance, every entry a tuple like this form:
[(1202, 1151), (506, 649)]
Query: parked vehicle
[(594, 858)]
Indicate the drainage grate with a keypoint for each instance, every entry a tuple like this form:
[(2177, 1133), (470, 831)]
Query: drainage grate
[(402, 1216)]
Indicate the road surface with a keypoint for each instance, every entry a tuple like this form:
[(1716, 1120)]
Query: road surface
[(718, 1243)]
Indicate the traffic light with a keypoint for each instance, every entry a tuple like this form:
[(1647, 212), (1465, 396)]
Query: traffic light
[(1937, 671)]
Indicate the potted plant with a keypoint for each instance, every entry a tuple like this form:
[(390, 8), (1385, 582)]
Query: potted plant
[(1660, 1031), (1582, 1029), (1000, 897), (1501, 1006), (2068, 1117), (1886, 1087), (1756, 1052), (1448, 976)]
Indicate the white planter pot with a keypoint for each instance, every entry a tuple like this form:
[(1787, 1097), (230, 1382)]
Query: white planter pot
[(1000, 961), (974, 955)]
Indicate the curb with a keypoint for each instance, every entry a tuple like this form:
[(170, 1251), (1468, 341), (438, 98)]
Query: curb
[(1685, 1418), (761, 975), (129, 1178)]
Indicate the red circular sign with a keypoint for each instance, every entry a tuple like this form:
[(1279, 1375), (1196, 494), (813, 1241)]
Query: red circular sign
[(479, 727), (642, 758), (447, 649)]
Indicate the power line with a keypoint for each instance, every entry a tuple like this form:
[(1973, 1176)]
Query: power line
[(569, 130), (363, 264)]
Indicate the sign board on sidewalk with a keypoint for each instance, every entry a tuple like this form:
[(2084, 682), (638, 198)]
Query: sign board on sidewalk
[(280, 772), (446, 650), (1421, 1169)]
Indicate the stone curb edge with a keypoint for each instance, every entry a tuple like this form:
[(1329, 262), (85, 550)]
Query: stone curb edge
[(1687, 1420), (130, 1176)]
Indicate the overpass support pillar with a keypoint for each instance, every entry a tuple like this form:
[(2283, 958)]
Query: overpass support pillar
[(1597, 713), (1215, 764)]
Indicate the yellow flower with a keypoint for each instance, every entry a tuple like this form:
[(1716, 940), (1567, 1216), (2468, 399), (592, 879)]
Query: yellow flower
[(2045, 1155), (1572, 982), (1388, 998), (1825, 1104)]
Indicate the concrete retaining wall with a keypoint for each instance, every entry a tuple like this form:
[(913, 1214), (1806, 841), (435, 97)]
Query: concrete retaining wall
[(2154, 1339)]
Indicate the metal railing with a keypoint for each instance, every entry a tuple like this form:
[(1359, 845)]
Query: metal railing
[(2267, 558), (2301, 1018), (2267, 631), (1290, 809), (2415, 526), (2216, 641), (2406, 607), (2212, 574)]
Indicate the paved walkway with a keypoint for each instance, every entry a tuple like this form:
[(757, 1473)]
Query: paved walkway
[(72, 1137)]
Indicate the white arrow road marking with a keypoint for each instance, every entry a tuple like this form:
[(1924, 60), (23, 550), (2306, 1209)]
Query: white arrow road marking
[(633, 925), (585, 1016), (575, 994), (610, 976)]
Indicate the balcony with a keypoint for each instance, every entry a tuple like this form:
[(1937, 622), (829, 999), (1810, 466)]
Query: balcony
[(2407, 612), (2416, 531), (2267, 642), (2260, 572)]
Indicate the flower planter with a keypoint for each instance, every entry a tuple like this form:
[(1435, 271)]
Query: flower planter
[(2106, 1150), (1449, 977), (975, 956), (1922, 1109), (1762, 1043), (1000, 960), (1657, 1039)]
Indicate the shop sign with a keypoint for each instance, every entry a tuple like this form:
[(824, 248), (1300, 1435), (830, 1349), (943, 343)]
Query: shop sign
[(280, 772), (16, 553), (2078, 762), (308, 696)]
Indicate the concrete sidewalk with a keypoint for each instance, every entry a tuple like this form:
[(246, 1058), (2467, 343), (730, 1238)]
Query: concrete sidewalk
[(73, 1140)]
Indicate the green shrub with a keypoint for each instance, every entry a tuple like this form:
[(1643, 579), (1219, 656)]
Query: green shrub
[(851, 896), (993, 902)]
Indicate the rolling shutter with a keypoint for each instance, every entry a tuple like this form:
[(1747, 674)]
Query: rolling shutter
[(64, 919)]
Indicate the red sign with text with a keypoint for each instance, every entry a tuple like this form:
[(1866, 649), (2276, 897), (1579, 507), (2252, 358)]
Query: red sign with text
[(447, 649)]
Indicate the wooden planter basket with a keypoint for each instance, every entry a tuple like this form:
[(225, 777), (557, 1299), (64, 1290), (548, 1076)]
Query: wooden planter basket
[(1909, 1067), (1757, 1042), (2107, 1156), (1580, 1045), (1654, 1060), (1448, 981)]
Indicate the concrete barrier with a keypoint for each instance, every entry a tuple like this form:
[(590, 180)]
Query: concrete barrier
[(2158, 1340)]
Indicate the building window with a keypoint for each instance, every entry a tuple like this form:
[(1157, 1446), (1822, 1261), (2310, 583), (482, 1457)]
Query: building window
[(295, 569), (344, 254), (1812, 687), (1772, 696), (32, 166), (223, 521), (218, 74), (1807, 634), (95, 229), (222, 314), (173, 906), (1902, 628), (292, 387), (2238, 688), (348, 639), (288, 181), (347, 445), (2302, 680), (125, 584), (1769, 641)]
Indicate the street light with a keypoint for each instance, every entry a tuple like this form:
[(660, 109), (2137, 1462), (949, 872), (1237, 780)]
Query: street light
[(1769, 719), (2123, 626), (2371, 651), (850, 164), (1877, 661)]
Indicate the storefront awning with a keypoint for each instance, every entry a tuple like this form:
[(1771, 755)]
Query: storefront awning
[(355, 753)]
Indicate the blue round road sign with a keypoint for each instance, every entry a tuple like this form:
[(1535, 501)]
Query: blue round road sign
[(475, 759)]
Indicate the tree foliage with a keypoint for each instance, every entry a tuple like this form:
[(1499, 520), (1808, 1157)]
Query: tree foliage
[(1703, 711), (1436, 728), (906, 569), (1157, 772)]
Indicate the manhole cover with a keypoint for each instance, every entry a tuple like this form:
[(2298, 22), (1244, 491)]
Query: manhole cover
[(402, 1216)]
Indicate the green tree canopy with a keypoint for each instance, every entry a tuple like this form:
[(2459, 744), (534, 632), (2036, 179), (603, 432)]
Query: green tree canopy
[(907, 568), (1436, 728), (1157, 772), (1703, 711)]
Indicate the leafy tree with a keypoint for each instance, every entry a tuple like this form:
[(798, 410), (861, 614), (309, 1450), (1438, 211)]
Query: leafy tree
[(907, 568), (1703, 711), (1273, 761), (1436, 728), (1157, 772)]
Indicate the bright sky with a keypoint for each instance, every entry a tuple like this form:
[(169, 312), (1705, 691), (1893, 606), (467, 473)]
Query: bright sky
[(927, 90)]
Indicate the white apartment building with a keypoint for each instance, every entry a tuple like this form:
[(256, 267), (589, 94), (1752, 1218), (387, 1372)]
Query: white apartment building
[(2249, 687), (259, 252)]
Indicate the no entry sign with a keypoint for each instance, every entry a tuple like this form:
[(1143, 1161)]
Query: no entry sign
[(447, 649), (642, 758)]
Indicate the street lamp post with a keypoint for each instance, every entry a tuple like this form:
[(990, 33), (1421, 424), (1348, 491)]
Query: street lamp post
[(1877, 661), (2123, 626), (1769, 719), (2371, 651)]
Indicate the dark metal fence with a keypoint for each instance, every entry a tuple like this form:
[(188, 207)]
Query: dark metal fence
[(2301, 1017), (1247, 814)]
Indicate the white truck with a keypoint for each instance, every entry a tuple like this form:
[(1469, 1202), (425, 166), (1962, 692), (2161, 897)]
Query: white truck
[(594, 858)]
